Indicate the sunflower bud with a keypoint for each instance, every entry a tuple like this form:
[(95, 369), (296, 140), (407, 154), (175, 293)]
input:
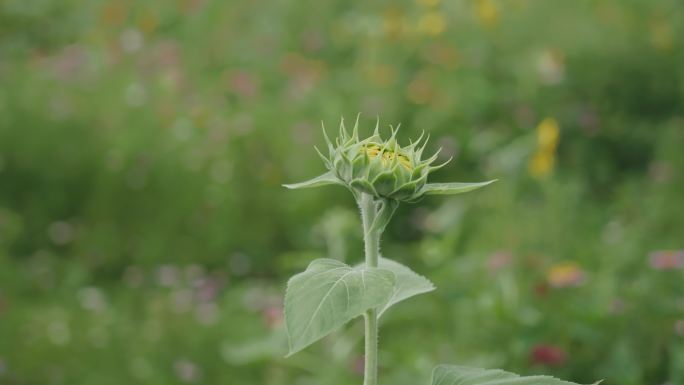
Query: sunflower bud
[(382, 168)]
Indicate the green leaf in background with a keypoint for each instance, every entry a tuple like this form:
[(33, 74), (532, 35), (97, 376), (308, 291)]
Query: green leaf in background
[(453, 188), (407, 283), (463, 375), (321, 180), (328, 295)]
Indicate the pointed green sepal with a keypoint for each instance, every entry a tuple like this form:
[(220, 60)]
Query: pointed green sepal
[(453, 188), (322, 180), (364, 186), (385, 182)]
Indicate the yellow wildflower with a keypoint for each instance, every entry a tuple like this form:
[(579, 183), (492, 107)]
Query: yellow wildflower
[(432, 24), (541, 164), (548, 136), (548, 133), (487, 12)]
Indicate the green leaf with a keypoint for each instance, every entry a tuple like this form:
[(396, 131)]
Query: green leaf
[(328, 295), (452, 188), (407, 283), (321, 180), (463, 375)]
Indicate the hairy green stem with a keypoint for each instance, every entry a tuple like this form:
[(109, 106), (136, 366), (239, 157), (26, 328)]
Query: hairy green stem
[(370, 371), (371, 240)]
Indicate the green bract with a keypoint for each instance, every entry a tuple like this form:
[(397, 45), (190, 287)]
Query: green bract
[(382, 168)]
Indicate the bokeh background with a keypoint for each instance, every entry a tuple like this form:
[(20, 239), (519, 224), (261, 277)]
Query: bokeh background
[(145, 237)]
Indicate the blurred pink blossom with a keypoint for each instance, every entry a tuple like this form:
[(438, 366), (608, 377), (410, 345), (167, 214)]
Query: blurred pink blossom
[(547, 355), (187, 371), (667, 259), (70, 63), (207, 288), (243, 83), (499, 260), (273, 316), (358, 365)]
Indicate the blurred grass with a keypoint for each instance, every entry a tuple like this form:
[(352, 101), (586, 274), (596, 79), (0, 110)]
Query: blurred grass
[(145, 238)]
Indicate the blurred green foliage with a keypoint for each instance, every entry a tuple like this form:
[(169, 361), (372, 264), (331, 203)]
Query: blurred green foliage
[(145, 238)]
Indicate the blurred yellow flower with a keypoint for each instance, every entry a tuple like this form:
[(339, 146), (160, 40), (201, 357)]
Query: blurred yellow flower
[(548, 133), (548, 136), (662, 37), (394, 23), (148, 22), (432, 24), (487, 12), (541, 164), (567, 274)]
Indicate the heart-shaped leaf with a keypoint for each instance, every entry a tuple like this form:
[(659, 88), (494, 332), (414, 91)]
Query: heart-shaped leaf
[(463, 375), (452, 188), (327, 295), (407, 283)]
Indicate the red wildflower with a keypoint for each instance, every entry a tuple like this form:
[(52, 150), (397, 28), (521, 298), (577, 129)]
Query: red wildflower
[(547, 355)]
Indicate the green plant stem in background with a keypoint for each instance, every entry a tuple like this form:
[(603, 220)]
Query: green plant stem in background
[(371, 240)]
